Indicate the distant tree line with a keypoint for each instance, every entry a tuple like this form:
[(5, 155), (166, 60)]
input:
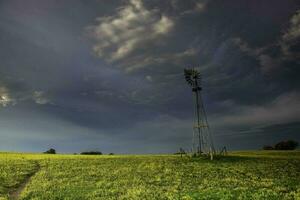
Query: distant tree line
[(91, 153), (53, 151), (283, 145)]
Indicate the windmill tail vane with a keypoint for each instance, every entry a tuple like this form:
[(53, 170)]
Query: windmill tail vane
[(202, 138)]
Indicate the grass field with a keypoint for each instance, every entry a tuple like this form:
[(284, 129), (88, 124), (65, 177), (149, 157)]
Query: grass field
[(240, 175)]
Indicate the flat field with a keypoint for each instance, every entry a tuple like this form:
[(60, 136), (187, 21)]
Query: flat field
[(240, 175)]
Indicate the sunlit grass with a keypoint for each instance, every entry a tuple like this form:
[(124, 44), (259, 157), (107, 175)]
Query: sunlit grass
[(241, 175)]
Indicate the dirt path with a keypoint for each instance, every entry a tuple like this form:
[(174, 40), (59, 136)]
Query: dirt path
[(15, 194)]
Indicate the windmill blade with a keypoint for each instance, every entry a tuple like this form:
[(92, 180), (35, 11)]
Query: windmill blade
[(187, 73), (189, 80), (188, 76)]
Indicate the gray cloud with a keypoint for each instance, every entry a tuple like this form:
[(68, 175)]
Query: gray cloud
[(283, 109), (12, 95), (291, 38), (133, 28), (40, 98), (287, 43), (5, 97)]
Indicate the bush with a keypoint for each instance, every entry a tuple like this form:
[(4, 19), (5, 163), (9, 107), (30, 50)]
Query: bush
[(286, 145), (50, 151), (180, 152), (91, 153), (267, 147)]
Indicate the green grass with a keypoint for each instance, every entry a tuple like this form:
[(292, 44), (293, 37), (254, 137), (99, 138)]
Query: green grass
[(241, 175), (13, 170)]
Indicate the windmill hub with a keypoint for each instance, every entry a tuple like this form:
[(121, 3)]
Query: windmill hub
[(196, 89)]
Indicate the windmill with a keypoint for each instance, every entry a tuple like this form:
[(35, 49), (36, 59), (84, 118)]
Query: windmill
[(202, 139)]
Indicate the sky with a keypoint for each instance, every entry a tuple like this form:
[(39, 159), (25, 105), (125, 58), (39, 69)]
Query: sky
[(107, 75)]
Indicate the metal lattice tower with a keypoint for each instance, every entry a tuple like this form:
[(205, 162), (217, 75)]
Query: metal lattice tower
[(202, 138)]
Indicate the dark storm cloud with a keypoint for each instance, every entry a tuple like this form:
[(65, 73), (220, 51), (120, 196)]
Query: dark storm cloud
[(204, 38), (108, 73)]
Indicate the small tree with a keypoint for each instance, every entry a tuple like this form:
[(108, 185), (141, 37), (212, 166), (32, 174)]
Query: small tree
[(50, 151)]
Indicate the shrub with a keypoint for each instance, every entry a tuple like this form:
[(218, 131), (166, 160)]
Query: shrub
[(91, 153), (267, 147), (180, 152), (50, 151)]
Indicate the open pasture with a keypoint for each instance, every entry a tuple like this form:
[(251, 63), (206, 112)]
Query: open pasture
[(240, 175)]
